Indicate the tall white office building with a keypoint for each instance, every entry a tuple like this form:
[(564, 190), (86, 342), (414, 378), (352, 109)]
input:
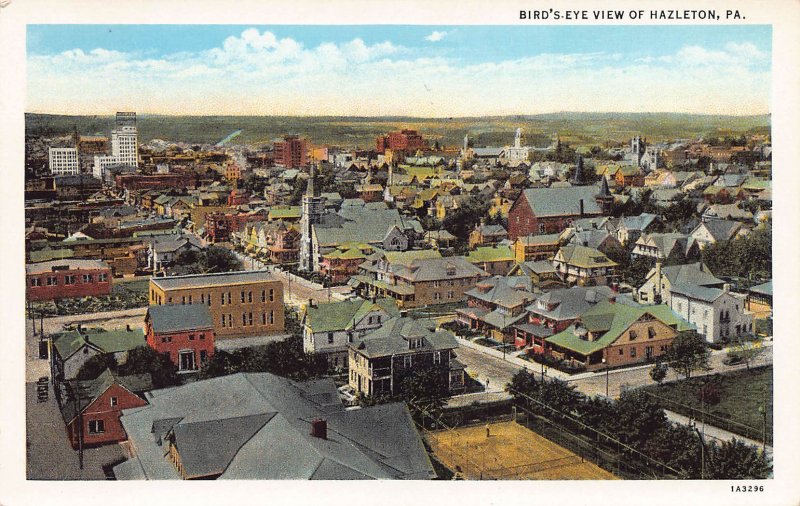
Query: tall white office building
[(63, 161), (124, 143)]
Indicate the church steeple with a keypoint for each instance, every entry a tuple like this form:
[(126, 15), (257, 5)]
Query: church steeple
[(311, 189), (578, 178), (604, 199)]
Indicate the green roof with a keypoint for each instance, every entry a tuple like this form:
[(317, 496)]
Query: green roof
[(490, 254), (406, 257), (110, 341), (343, 315), (612, 319), (584, 256), (284, 212)]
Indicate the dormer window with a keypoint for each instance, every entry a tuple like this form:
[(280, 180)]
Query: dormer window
[(451, 271)]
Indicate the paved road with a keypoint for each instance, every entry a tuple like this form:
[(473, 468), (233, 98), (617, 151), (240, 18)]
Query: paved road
[(49, 454), (296, 293)]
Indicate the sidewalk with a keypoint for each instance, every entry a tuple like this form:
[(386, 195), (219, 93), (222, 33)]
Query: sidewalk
[(711, 431)]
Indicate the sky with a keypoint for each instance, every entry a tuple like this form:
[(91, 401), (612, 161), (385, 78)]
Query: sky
[(397, 70)]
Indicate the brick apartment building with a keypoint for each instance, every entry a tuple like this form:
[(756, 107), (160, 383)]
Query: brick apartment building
[(408, 141), (184, 332), (244, 303), (67, 278), (291, 152)]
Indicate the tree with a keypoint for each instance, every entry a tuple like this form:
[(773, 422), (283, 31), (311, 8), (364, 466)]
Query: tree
[(687, 353), (427, 386), (221, 260), (95, 366), (735, 460), (146, 360), (523, 384), (638, 417), (659, 372), (746, 350)]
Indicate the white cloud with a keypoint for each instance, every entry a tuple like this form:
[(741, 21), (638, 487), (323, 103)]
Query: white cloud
[(436, 36), (259, 73)]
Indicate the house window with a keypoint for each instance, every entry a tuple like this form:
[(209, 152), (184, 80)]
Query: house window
[(450, 295), (229, 297), (209, 300), (36, 282), (621, 351), (242, 295), (436, 284), (202, 298), (183, 300), (102, 277), (203, 356), (263, 318), (114, 401), (202, 337), (437, 357), (249, 296), (186, 361), (632, 335), (69, 280), (407, 361), (250, 319), (271, 316), (97, 426), (52, 281), (349, 337), (378, 319), (191, 337), (87, 278), (263, 296), (244, 319), (271, 295), (633, 352), (330, 337), (437, 296), (223, 320), (651, 332), (190, 299)]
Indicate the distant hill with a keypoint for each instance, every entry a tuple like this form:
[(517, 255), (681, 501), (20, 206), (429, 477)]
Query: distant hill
[(575, 128)]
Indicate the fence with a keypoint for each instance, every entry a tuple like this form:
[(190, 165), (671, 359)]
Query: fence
[(727, 424)]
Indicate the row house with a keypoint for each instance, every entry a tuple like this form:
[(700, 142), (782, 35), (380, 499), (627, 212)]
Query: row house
[(496, 304), (554, 311), (531, 248), (276, 242), (487, 235)]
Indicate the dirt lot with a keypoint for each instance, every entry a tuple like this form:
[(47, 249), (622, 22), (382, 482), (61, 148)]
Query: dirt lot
[(510, 452)]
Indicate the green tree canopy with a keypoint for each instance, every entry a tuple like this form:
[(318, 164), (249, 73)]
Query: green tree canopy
[(688, 353)]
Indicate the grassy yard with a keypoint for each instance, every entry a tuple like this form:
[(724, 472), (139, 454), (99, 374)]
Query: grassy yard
[(741, 394)]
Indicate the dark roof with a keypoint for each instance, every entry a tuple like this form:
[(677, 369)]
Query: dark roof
[(90, 390), (258, 426), (216, 279), (393, 339), (562, 201), (179, 317)]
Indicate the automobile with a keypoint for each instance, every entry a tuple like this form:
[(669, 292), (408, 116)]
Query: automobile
[(732, 360)]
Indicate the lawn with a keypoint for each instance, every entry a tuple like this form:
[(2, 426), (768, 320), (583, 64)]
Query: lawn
[(741, 395)]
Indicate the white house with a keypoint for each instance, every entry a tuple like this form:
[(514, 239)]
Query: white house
[(327, 328), (718, 314)]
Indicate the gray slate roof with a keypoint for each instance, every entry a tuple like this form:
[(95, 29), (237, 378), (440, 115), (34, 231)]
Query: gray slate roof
[(179, 317), (217, 279), (569, 303), (392, 339), (90, 390), (431, 269), (258, 426), (690, 274), (562, 201)]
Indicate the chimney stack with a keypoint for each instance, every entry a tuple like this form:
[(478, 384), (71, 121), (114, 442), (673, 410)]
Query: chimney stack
[(311, 303), (319, 428), (581, 204), (128, 327)]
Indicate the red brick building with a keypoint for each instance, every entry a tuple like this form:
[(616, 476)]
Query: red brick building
[(184, 332), (93, 416), (550, 210), (59, 279), (157, 181), (408, 141), (220, 226), (291, 152)]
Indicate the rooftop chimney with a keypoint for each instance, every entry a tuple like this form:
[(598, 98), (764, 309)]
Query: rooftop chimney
[(128, 327), (726, 287), (311, 303), (319, 428), (581, 204)]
